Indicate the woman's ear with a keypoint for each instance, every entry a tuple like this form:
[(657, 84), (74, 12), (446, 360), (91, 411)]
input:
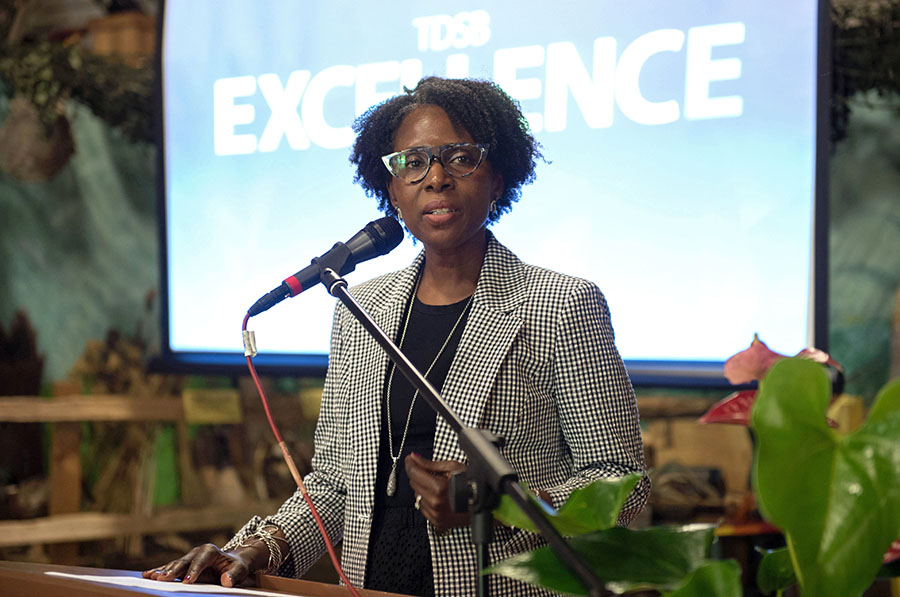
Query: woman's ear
[(498, 186), (394, 202), (390, 192)]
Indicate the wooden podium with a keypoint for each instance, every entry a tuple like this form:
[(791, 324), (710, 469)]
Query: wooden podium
[(19, 579)]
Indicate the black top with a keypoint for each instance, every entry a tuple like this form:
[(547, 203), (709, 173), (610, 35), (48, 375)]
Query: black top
[(399, 557)]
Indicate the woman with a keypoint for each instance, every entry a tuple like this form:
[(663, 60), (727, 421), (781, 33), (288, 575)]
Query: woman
[(522, 351)]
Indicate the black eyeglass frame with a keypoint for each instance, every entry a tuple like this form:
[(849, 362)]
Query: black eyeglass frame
[(434, 154)]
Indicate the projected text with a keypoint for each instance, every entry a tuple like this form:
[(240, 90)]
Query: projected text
[(597, 83)]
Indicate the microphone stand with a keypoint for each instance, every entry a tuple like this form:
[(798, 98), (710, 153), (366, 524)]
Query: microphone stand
[(489, 474)]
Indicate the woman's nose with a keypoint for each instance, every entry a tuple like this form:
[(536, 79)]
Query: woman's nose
[(438, 178)]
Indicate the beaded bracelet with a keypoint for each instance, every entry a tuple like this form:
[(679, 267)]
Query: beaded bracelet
[(237, 540), (263, 534), (271, 543)]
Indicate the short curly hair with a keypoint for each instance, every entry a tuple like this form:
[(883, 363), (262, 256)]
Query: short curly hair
[(479, 107)]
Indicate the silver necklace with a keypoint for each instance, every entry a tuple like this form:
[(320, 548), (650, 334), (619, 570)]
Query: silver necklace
[(392, 478)]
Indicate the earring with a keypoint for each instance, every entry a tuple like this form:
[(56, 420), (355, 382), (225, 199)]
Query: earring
[(494, 206), (399, 214)]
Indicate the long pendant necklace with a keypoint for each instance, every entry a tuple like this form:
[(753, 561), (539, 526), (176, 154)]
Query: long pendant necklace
[(392, 478)]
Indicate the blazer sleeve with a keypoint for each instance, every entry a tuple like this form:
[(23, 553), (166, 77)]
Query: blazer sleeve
[(325, 484), (597, 407)]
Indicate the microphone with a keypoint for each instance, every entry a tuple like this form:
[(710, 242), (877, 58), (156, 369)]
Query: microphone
[(377, 238)]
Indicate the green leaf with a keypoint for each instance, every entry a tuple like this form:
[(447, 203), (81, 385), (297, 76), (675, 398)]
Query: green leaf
[(75, 60), (714, 578), (837, 498), (591, 508), (886, 402), (660, 557), (776, 571)]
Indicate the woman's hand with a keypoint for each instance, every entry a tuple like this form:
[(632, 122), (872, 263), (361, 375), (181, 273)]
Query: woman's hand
[(208, 563), (431, 479)]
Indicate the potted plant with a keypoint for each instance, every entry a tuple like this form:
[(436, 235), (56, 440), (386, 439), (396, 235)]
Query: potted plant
[(834, 495)]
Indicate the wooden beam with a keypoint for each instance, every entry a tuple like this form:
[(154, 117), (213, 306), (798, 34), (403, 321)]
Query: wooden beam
[(100, 407), (119, 407), (65, 482), (94, 526)]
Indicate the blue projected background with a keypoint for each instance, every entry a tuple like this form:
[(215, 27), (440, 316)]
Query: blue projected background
[(680, 136)]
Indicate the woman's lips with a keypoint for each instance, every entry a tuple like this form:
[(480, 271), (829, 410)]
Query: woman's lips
[(440, 215)]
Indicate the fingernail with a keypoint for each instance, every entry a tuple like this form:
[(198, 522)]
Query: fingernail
[(187, 578)]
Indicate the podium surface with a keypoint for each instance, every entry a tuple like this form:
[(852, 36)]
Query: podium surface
[(21, 579)]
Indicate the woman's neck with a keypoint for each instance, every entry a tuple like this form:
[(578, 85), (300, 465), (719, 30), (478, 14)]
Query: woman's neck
[(448, 279)]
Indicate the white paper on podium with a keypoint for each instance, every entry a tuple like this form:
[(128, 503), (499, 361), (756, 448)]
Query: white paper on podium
[(146, 583)]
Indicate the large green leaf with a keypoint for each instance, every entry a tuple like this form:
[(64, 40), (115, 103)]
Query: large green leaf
[(837, 498), (660, 557), (886, 402), (591, 508), (714, 578), (776, 571)]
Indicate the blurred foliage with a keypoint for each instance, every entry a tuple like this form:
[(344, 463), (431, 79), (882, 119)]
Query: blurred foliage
[(865, 55), (673, 560), (50, 72), (834, 495), (20, 342)]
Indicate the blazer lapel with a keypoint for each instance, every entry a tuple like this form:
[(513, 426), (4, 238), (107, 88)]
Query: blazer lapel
[(490, 331), (386, 308)]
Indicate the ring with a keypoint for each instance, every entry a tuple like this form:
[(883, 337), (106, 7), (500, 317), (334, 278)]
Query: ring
[(418, 503)]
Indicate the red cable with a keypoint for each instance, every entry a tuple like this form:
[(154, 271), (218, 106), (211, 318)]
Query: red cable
[(294, 472)]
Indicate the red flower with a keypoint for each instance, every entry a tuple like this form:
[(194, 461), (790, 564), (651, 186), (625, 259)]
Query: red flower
[(751, 364), (733, 409), (893, 553)]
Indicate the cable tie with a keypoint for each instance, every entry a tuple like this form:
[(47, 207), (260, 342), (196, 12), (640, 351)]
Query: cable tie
[(249, 343)]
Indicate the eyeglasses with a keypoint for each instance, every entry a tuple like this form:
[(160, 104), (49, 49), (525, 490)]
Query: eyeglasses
[(458, 159)]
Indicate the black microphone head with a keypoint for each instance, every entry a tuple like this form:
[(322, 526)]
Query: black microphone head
[(377, 238), (387, 233)]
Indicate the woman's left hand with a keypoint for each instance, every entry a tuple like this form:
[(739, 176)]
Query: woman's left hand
[(430, 479)]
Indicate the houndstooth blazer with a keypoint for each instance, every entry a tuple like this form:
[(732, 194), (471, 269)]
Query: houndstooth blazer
[(536, 364)]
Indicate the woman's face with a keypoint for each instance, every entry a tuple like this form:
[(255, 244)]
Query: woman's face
[(446, 213)]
